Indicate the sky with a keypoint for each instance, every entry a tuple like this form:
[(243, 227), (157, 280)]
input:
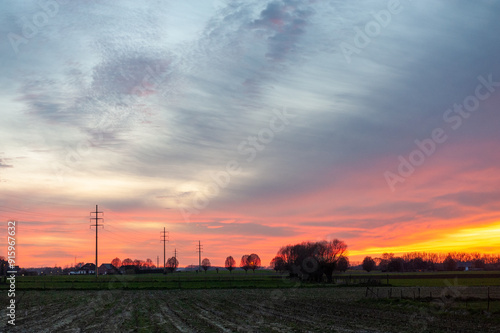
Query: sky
[(248, 125)]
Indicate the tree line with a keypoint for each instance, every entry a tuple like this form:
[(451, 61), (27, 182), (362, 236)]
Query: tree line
[(426, 261)]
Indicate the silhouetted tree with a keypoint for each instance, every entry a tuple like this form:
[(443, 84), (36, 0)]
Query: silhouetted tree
[(172, 264), (127, 262), (416, 264), (205, 264), (253, 261), (4, 267), (278, 264), (395, 265), (330, 253), (343, 264), (230, 264), (244, 263), (368, 264), (449, 263), (149, 263), (478, 263), (384, 261), (312, 260), (116, 262)]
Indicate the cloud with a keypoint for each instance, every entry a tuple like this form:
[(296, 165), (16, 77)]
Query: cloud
[(3, 164)]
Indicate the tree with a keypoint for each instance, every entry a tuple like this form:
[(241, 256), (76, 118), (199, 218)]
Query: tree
[(478, 263), (253, 261), (449, 263), (244, 263), (172, 264), (343, 264), (384, 261), (205, 264), (149, 263), (328, 255), (278, 264), (116, 262), (137, 263), (368, 264), (230, 263), (127, 262), (395, 265)]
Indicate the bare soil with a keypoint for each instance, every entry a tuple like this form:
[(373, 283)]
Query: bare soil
[(236, 310)]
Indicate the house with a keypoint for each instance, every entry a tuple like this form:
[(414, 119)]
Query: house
[(105, 269), (86, 269)]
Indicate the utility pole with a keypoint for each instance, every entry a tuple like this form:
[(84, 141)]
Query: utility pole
[(157, 261), (96, 225), (164, 239), (199, 249)]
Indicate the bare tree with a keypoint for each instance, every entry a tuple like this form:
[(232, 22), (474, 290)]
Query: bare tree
[(205, 264), (368, 264), (329, 254), (244, 263), (116, 262), (172, 264), (253, 262), (230, 263)]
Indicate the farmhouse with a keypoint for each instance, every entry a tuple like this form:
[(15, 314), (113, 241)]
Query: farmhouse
[(105, 269), (88, 268)]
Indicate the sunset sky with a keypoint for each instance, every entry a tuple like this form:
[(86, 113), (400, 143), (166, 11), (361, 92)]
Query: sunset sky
[(248, 125)]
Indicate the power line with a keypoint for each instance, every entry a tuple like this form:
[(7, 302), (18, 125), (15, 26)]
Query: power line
[(96, 225)]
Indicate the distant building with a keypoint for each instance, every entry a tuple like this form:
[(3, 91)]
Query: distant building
[(464, 265), (105, 269), (86, 269)]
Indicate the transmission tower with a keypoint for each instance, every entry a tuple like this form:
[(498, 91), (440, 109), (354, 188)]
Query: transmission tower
[(199, 248), (164, 239), (96, 224)]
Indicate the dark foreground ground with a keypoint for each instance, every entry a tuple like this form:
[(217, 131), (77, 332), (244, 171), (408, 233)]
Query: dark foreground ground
[(239, 310)]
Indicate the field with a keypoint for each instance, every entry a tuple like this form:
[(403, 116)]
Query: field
[(261, 302)]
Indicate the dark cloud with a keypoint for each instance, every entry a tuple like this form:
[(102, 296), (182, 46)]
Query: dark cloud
[(472, 199)]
